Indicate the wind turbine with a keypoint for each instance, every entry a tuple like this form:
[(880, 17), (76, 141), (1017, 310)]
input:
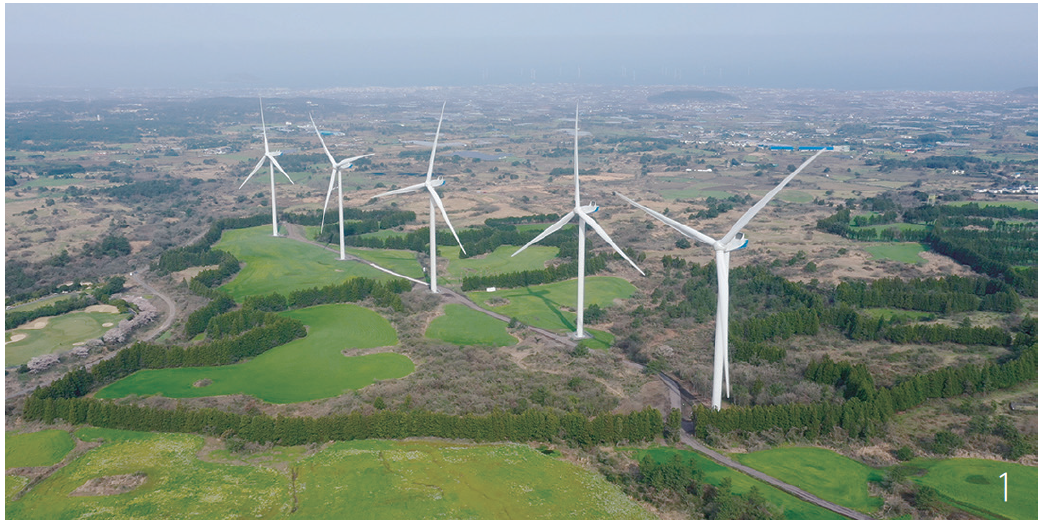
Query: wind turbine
[(268, 155), (584, 219), (732, 241), (336, 176), (429, 185)]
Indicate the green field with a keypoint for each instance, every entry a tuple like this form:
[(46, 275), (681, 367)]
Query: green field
[(284, 265), (693, 193), (907, 252), (42, 448), (795, 196), (498, 261), (41, 303), (1019, 204), (398, 260), (464, 326), (179, 485), (824, 473), (13, 484), (305, 369), (541, 305), (975, 485), (900, 226), (792, 507), (60, 334), (376, 479), (370, 479)]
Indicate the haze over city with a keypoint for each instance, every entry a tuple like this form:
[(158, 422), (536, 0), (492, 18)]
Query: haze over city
[(826, 46)]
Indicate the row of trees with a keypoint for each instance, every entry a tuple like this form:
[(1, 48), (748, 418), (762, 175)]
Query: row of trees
[(867, 409), (996, 252), (384, 294), (198, 320), (13, 319), (949, 294)]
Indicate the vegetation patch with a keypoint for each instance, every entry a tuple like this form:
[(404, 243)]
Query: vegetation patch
[(976, 485), (398, 260), (498, 261), (466, 327), (42, 448), (305, 369), (283, 265), (907, 252), (792, 507), (824, 473), (377, 479), (57, 334), (13, 484)]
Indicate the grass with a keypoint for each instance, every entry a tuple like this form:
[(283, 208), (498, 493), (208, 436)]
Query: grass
[(302, 370), (179, 485), (907, 252), (464, 326), (1019, 204), (904, 315), (284, 265), (900, 226), (60, 334), (693, 193), (498, 261), (974, 485), (45, 302), (432, 480), (398, 260), (541, 305), (824, 473), (41, 448), (12, 485), (795, 196), (792, 507)]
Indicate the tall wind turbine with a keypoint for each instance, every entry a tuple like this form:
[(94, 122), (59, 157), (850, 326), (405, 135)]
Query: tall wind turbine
[(732, 241), (335, 175), (584, 219), (429, 185), (268, 155)]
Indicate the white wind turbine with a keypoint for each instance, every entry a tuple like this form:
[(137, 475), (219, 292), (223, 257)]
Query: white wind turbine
[(732, 241), (429, 185), (584, 219), (335, 175), (268, 155)]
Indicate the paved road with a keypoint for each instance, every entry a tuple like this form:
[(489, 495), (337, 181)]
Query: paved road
[(170, 306)]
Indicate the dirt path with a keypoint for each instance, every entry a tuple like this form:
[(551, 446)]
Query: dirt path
[(170, 306)]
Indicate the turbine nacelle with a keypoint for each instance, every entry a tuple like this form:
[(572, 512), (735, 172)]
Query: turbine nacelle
[(591, 208), (437, 182), (738, 242)]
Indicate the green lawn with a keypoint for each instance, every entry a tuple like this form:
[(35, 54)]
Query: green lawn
[(464, 326), (45, 302), (792, 507), (693, 193), (305, 369), (60, 334), (975, 485), (12, 485), (1019, 204), (179, 485), (907, 252), (498, 261), (398, 260), (284, 265), (541, 305), (375, 479), (795, 196), (42, 448), (824, 473)]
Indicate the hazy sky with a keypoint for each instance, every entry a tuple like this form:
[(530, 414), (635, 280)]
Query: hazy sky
[(840, 46)]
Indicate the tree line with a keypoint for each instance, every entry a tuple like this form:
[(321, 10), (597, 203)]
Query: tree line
[(594, 263), (355, 289), (948, 294), (13, 319)]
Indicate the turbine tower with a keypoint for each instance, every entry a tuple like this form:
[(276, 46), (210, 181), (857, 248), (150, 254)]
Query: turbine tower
[(268, 155), (335, 175), (732, 241), (429, 185), (584, 219)]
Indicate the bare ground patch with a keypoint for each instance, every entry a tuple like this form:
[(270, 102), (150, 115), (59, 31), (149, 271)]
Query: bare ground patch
[(202, 383), (358, 352), (102, 308), (190, 273), (113, 485), (40, 323), (18, 336)]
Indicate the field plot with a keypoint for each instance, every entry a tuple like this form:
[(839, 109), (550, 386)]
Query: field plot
[(398, 260), (541, 305), (975, 485), (42, 448), (694, 192), (305, 369), (792, 507), (59, 334), (427, 480), (824, 473), (284, 265), (498, 261), (163, 479), (464, 326), (1019, 204), (907, 252)]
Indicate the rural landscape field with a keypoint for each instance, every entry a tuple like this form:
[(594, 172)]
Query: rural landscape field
[(645, 302)]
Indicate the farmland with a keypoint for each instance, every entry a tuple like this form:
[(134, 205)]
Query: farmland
[(822, 472), (975, 485), (305, 369)]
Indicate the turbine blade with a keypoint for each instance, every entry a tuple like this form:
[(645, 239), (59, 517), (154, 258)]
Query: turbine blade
[(324, 148), (553, 227), (437, 200), (264, 129), (430, 167), (685, 230), (329, 192), (276, 163), (410, 189), (576, 161), (347, 161), (254, 172), (600, 231), (763, 201)]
